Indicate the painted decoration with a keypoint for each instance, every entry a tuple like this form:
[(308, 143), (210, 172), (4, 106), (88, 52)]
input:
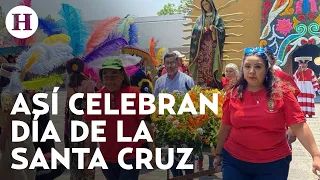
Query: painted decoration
[(289, 24)]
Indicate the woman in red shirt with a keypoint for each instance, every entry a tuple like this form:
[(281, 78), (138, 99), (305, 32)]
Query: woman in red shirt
[(232, 75), (252, 139)]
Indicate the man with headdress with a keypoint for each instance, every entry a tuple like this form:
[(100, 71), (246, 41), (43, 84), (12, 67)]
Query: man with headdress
[(307, 83), (208, 36)]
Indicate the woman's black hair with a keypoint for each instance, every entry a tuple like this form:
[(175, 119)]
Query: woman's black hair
[(268, 81)]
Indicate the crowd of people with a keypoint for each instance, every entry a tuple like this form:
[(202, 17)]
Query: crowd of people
[(265, 109)]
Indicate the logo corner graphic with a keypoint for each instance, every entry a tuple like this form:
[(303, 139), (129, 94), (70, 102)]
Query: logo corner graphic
[(22, 22)]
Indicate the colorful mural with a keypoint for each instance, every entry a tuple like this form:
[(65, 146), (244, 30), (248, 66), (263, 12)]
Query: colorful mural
[(288, 25)]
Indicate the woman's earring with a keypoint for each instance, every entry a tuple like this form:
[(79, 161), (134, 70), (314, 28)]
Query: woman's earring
[(266, 79)]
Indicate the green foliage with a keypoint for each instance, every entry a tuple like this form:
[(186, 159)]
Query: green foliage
[(170, 9), (167, 9)]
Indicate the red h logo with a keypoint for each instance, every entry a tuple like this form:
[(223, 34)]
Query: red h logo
[(17, 22), (22, 22)]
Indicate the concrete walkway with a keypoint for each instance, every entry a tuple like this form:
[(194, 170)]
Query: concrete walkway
[(300, 168)]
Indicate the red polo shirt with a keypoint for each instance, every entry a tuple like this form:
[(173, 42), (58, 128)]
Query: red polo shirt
[(225, 82), (111, 148), (258, 134)]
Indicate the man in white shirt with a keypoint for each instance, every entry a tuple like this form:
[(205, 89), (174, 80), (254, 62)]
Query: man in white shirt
[(174, 79)]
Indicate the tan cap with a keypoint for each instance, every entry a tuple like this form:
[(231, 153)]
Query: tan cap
[(179, 54)]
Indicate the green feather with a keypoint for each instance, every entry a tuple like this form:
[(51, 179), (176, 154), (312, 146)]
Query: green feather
[(125, 26)]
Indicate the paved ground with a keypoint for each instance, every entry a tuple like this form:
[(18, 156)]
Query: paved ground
[(300, 167)]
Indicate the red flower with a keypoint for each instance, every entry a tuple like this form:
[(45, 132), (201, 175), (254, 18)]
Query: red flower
[(304, 42), (288, 48), (312, 41), (301, 17), (311, 16)]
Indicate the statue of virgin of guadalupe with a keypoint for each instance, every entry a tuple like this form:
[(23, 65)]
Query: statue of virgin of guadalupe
[(208, 36)]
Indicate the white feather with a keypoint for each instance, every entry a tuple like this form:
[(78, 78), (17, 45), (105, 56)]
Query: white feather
[(52, 56), (96, 63), (129, 60), (22, 59)]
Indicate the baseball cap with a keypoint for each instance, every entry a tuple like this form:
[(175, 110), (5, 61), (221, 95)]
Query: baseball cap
[(114, 63), (179, 54)]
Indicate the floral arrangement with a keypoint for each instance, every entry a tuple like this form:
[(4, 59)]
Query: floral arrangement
[(188, 130)]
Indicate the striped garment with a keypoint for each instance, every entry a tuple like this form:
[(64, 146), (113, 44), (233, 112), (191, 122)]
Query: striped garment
[(307, 83)]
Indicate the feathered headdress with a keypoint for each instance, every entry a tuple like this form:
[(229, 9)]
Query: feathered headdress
[(25, 3), (131, 70), (75, 28), (160, 54), (27, 59), (129, 60), (39, 83), (124, 27), (152, 49), (130, 31), (136, 51), (113, 43), (101, 31), (43, 58), (102, 41), (75, 65), (62, 38), (133, 34), (49, 27)]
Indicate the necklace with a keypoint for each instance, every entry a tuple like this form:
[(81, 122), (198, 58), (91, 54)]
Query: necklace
[(257, 100)]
